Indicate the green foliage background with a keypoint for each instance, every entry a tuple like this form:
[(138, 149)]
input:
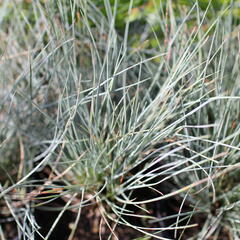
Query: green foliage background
[(143, 9)]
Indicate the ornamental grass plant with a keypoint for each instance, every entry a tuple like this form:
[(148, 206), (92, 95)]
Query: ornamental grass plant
[(133, 130)]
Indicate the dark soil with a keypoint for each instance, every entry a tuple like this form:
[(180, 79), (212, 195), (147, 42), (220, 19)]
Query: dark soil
[(88, 227), (91, 224)]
